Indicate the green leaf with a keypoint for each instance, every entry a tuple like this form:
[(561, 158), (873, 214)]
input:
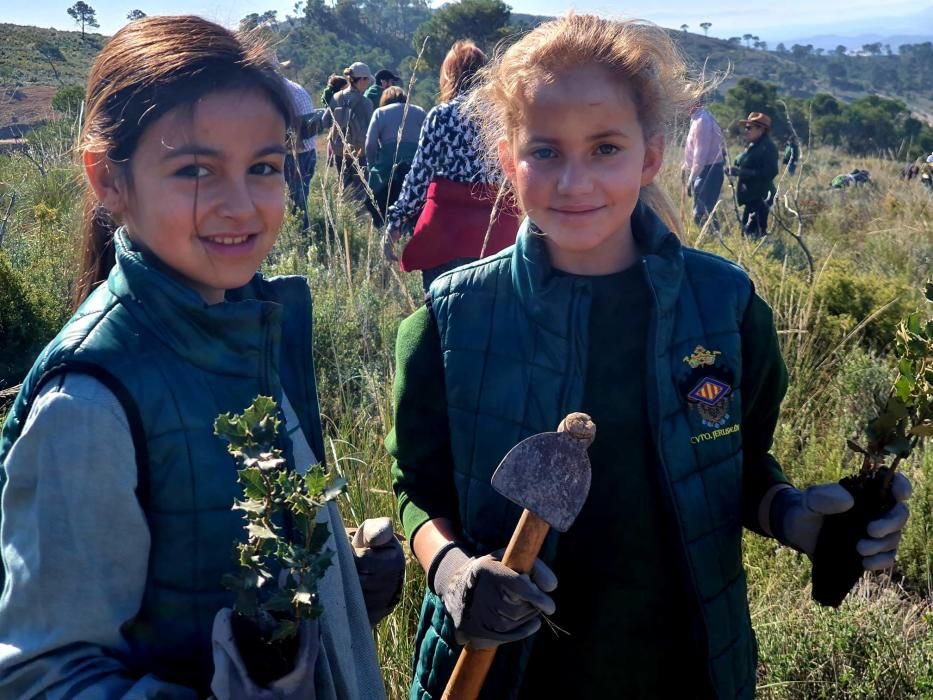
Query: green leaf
[(902, 388), (906, 368), (260, 532), (929, 291), (303, 596), (285, 630), (336, 488), (250, 506), (924, 429), (899, 446), (280, 601)]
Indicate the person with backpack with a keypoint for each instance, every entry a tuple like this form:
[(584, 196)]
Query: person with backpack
[(348, 116), (391, 143)]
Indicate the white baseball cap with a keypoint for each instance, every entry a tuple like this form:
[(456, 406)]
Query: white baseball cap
[(361, 70)]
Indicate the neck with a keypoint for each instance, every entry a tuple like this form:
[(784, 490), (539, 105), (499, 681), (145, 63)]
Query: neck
[(615, 254)]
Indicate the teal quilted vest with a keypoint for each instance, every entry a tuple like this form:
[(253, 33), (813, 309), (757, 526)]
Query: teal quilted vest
[(175, 364), (514, 340)]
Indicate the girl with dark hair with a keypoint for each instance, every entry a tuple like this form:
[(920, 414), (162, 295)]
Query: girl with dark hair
[(117, 522), (449, 197)]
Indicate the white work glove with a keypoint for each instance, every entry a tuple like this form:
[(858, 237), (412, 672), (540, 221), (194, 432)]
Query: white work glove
[(231, 680), (380, 565), (488, 602), (797, 516)]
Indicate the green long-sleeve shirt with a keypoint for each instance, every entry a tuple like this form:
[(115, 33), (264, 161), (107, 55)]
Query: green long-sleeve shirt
[(622, 598)]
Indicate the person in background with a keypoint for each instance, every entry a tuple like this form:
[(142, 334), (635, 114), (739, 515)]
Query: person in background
[(348, 116), (116, 494), (703, 162), (384, 79), (756, 167), (450, 195), (299, 165), (391, 143), (335, 83)]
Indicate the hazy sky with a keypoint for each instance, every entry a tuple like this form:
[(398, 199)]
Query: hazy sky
[(772, 21)]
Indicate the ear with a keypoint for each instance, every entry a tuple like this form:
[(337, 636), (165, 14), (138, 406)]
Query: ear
[(654, 159), (107, 181), (506, 159)]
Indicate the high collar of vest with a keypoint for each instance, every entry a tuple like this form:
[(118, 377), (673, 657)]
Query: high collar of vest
[(539, 287), (231, 337)]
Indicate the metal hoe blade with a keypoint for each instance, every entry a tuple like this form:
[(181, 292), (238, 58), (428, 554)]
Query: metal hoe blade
[(549, 474)]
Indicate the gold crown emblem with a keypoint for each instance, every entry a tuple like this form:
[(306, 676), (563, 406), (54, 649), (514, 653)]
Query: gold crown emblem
[(701, 357)]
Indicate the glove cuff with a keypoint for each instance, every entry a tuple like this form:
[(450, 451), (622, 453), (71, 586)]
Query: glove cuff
[(783, 501), (446, 561)]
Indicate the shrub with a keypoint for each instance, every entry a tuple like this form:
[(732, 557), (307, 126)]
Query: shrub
[(26, 323), (67, 100)]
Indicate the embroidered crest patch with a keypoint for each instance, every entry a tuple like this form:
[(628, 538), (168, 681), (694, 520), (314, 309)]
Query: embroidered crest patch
[(702, 357), (709, 391), (708, 387)]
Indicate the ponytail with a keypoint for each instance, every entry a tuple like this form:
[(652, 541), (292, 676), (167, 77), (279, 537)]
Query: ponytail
[(96, 257)]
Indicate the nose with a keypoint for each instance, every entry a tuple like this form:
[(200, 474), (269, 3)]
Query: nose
[(574, 179), (236, 200)]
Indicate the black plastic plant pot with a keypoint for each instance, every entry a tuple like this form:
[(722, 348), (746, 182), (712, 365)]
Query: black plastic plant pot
[(265, 661), (837, 566)]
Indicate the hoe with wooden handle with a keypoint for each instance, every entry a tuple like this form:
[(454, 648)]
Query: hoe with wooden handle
[(548, 475)]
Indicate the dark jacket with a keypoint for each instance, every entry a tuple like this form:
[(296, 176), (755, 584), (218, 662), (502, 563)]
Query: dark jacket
[(511, 307), (758, 166), (175, 363)]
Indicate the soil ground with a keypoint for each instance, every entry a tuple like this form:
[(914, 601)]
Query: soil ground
[(24, 108)]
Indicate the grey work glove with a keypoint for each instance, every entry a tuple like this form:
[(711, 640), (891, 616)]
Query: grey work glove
[(380, 565), (488, 602), (231, 680), (797, 516), (391, 236)]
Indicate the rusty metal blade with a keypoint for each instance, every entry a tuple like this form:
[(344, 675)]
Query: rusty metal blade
[(549, 474)]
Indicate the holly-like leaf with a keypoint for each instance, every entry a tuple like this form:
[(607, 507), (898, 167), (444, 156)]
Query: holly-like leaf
[(928, 291), (899, 446), (923, 430), (335, 489), (250, 506), (260, 532), (286, 630)]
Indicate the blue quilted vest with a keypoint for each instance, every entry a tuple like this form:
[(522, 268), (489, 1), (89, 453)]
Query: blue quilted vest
[(175, 364), (514, 341)]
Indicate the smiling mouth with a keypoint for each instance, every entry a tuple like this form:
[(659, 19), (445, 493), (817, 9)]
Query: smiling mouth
[(588, 210), (229, 240)]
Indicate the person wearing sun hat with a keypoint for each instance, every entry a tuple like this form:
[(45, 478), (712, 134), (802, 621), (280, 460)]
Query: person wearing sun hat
[(348, 115), (756, 168)]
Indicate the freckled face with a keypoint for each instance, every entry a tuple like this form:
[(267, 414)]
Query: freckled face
[(206, 194), (577, 162)]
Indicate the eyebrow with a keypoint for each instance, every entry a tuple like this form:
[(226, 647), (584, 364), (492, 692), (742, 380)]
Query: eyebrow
[(592, 137), (195, 149)]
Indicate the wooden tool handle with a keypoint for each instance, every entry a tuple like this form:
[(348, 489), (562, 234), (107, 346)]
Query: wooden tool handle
[(472, 667)]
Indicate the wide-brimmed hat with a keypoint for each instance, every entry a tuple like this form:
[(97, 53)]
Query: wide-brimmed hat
[(361, 70), (757, 118)]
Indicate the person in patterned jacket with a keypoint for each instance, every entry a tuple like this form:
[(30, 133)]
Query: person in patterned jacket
[(449, 196)]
